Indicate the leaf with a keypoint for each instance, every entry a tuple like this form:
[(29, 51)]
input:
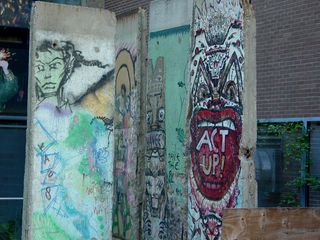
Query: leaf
[(181, 84), (181, 135)]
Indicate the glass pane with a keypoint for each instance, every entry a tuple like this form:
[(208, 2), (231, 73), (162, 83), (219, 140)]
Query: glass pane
[(314, 194), (12, 158), (275, 170), (268, 161)]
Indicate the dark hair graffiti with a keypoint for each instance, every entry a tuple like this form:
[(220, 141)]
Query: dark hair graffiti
[(71, 58)]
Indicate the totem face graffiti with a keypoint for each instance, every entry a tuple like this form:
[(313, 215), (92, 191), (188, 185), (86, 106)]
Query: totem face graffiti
[(216, 125), (154, 212), (155, 171)]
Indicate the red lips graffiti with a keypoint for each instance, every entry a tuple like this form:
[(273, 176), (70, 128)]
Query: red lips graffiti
[(215, 147)]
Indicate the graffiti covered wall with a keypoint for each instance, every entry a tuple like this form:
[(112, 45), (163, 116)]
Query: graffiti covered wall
[(155, 179), (216, 114), (165, 215), (175, 64), (127, 187), (70, 146)]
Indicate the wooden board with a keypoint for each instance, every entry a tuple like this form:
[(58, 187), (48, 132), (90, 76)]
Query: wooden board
[(271, 223)]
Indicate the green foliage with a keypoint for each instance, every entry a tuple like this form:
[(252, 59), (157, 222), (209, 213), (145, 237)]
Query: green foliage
[(7, 230), (84, 168), (174, 160), (289, 199), (47, 228), (296, 146), (295, 139), (80, 132)]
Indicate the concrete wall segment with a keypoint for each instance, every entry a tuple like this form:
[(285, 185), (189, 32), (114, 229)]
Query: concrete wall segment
[(59, 19), (249, 137), (28, 174), (128, 162), (222, 114), (176, 61), (169, 14), (69, 181), (169, 43)]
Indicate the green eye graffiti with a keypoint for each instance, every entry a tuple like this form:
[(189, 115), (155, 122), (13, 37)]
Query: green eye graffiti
[(54, 65), (39, 68)]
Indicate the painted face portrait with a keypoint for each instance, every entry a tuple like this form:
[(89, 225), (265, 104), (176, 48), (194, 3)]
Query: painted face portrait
[(49, 71), (216, 104), (216, 75)]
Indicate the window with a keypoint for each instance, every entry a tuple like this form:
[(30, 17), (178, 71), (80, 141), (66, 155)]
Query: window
[(314, 193), (283, 149), (13, 114), (12, 158)]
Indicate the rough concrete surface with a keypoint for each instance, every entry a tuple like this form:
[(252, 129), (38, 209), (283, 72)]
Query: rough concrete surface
[(128, 165), (69, 177), (222, 114), (169, 14)]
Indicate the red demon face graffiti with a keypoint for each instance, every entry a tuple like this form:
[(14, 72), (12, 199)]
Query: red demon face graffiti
[(216, 122)]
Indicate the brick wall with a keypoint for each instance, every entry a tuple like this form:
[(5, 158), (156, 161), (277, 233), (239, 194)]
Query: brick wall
[(288, 58), (124, 6)]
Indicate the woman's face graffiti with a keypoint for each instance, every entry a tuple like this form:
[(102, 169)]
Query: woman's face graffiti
[(49, 70)]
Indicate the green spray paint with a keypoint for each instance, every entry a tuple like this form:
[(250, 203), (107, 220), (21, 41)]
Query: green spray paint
[(81, 131), (122, 221), (47, 228)]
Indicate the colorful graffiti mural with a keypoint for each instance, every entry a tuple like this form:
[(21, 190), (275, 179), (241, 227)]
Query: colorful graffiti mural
[(216, 114), (128, 152), (72, 144), (176, 74), (124, 154), (154, 225)]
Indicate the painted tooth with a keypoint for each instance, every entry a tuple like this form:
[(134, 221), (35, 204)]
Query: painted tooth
[(206, 124), (225, 124), (228, 124), (232, 126), (203, 124), (219, 124)]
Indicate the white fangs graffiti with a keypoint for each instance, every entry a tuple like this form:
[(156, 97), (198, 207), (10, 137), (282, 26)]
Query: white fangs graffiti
[(226, 123)]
